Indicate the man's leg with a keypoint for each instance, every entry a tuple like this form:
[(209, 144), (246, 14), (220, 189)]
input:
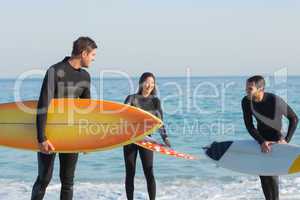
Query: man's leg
[(67, 170), (270, 187), (45, 170)]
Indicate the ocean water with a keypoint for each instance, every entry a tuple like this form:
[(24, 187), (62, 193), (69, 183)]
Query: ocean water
[(197, 111)]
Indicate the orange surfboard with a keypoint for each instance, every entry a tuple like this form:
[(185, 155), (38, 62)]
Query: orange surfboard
[(75, 125)]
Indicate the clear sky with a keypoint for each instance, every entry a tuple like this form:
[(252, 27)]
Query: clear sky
[(163, 36)]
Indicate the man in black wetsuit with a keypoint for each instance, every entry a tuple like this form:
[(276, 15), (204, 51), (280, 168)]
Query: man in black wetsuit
[(64, 79), (268, 110)]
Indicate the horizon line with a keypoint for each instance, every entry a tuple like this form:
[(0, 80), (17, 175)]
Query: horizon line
[(163, 76)]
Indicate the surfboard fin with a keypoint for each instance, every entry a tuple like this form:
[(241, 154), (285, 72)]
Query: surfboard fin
[(217, 149)]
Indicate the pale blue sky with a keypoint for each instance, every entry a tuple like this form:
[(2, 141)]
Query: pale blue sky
[(162, 36)]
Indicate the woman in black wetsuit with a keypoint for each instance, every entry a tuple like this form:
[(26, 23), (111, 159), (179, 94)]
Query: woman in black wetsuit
[(147, 100)]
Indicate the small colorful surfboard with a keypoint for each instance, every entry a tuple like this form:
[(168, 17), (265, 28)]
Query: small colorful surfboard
[(153, 145)]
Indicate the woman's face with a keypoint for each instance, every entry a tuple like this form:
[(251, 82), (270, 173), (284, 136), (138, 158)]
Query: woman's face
[(148, 85)]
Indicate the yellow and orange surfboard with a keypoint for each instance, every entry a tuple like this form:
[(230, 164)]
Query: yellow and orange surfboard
[(75, 125)]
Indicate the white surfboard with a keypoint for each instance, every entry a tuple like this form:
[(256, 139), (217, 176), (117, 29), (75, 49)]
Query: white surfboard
[(245, 156)]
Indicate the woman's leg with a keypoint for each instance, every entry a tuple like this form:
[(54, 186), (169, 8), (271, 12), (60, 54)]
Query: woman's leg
[(130, 154), (147, 161)]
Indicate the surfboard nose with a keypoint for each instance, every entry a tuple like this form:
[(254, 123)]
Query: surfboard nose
[(217, 149)]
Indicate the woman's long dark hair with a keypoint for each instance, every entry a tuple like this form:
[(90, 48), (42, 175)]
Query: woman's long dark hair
[(142, 80)]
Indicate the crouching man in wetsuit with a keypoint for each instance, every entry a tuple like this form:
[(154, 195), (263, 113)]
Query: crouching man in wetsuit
[(268, 109), (66, 79)]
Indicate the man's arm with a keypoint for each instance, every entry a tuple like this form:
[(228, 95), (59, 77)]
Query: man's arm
[(46, 95), (248, 120), (288, 112), (87, 89)]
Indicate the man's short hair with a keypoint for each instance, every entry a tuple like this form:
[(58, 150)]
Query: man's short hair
[(83, 44), (258, 80)]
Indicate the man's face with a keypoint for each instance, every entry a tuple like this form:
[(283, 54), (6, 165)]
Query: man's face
[(251, 90), (87, 57)]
